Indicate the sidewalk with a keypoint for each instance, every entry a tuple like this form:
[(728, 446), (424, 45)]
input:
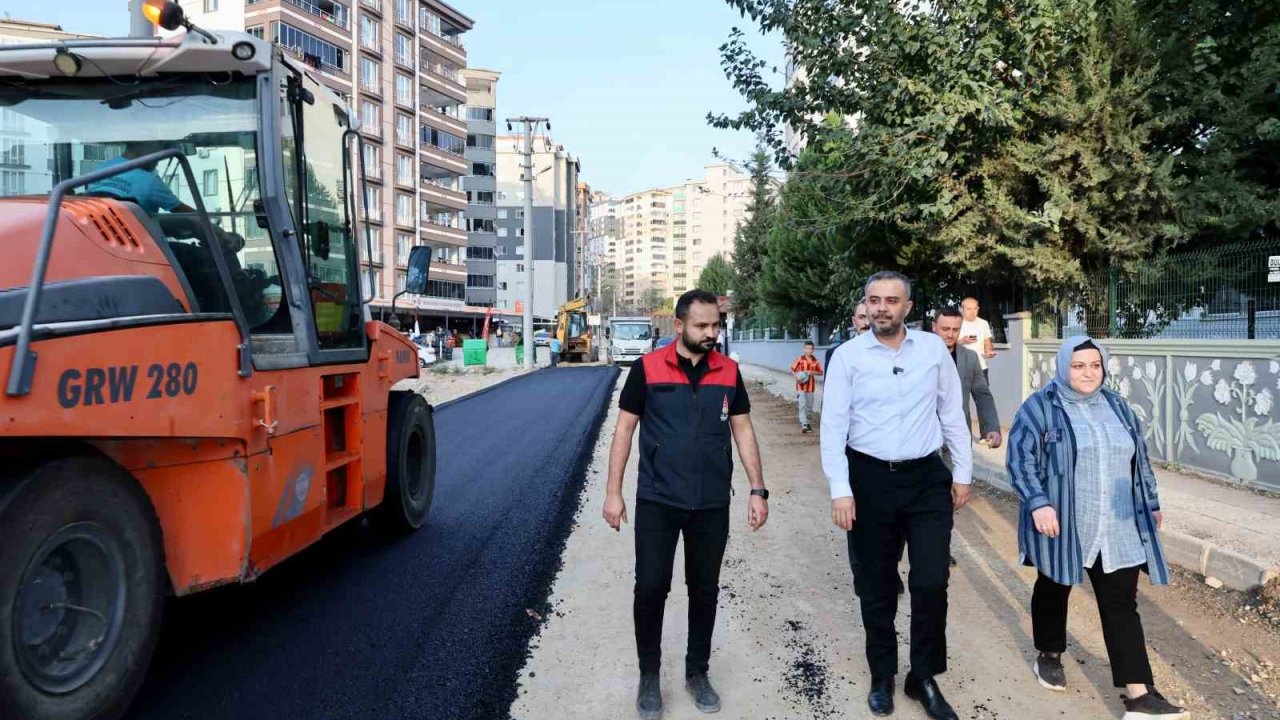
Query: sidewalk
[(1211, 529)]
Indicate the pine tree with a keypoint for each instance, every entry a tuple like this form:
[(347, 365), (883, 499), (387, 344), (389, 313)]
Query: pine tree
[(751, 241), (717, 276)]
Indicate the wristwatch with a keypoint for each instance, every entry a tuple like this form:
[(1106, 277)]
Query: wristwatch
[(762, 492)]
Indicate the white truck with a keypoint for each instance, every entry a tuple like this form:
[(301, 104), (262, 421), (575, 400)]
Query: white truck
[(629, 338)]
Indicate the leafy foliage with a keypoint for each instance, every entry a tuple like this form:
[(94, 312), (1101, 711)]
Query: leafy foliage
[(717, 276)]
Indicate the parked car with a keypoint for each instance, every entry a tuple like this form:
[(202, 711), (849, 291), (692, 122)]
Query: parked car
[(662, 342), (426, 355), (541, 338)]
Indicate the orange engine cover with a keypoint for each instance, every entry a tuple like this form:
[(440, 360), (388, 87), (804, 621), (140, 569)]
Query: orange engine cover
[(94, 237)]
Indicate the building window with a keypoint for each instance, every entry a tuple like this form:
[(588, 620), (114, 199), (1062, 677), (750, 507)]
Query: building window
[(484, 142), (404, 209), (482, 169), (210, 184), (502, 214), (446, 290), (442, 140), (371, 117), (210, 6), (312, 49), (372, 282), (480, 197), (404, 169), (370, 74), (502, 232), (404, 50), (374, 197), (404, 130), (479, 113), (480, 281), (404, 90), (404, 242), (479, 253), (255, 31), (479, 225), (370, 33), (373, 161), (520, 266), (404, 12)]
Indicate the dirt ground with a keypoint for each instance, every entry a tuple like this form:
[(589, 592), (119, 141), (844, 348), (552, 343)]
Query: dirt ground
[(443, 384), (789, 645)]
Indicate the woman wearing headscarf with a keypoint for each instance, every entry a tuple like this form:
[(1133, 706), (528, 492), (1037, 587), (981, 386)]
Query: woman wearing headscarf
[(1079, 463)]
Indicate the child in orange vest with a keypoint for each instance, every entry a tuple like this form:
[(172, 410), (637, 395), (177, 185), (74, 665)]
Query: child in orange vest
[(806, 368)]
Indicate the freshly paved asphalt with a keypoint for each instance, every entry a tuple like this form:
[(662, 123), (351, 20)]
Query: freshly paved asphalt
[(431, 626)]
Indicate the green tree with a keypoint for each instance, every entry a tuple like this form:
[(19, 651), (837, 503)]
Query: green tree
[(1219, 68), (751, 240), (959, 142), (717, 276)]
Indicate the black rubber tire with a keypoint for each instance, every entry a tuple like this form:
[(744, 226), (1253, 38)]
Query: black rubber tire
[(411, 464), (50, 497), (422, 363)]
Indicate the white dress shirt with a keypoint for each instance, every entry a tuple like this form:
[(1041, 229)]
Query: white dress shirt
[(981, 329), (893, 405)]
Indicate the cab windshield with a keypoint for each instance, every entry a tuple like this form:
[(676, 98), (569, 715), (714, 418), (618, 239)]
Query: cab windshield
[(631, 331), (62, 128)]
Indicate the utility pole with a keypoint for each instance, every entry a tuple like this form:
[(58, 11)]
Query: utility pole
[(139, 25), (526, 175)]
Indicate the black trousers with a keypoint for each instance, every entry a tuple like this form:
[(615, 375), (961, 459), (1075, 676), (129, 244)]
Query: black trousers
[(1117, 595), (706, 532), (914, 503)]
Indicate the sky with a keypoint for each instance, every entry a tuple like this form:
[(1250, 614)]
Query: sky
[(627, 84)]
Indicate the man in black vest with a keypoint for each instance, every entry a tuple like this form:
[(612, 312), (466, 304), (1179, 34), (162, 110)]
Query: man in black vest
[(689, 401)]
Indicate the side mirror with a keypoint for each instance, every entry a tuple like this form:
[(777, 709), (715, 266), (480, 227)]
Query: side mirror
[(419, 268), (321, 243)]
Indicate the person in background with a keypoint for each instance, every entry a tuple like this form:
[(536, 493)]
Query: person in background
[(975, 334), (861, 323), (891, 401), (555, 350), (806, 369), (141, 185), (973, 383), (1079, 463)]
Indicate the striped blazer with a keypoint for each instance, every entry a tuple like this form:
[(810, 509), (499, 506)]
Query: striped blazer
[(1041, 461)]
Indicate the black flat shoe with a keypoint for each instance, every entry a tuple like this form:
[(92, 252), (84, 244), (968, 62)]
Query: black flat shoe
[(880, 699), (926, 693)]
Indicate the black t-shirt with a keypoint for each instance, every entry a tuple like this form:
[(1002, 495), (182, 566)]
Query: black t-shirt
[(632, 397)]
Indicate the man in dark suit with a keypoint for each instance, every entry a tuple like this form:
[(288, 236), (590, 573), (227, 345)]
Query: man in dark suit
[(973, 383), (861, 323)]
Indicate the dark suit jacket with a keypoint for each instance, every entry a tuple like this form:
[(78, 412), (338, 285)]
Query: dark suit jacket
[(974, 383)]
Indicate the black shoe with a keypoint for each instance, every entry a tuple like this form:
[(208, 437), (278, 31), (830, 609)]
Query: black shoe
[(1152, 706), (1050, 673), (704, 696), (649, 697), (926, 693), (880, 699)]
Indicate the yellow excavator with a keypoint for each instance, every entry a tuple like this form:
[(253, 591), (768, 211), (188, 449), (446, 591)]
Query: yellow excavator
[(576, 341)]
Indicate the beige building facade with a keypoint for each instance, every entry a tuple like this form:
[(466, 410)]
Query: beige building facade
[(398, 63)]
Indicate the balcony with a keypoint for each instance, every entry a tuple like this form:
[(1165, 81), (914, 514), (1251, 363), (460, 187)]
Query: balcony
[(440, 163), (442, 121), (440, 89), (443, 234), (374, 5), (444, 198), (333, 13)]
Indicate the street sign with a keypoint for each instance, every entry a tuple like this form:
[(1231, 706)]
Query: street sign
[(1273, 269), (593, 320)]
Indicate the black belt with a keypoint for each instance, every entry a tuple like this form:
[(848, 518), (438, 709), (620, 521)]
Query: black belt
[(895, 465)]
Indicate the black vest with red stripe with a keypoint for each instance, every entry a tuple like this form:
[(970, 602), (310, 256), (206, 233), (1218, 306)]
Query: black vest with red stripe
[(686, 458)]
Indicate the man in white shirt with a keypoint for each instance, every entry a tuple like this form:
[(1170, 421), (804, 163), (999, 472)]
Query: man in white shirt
[(975, 334), (891, 401)]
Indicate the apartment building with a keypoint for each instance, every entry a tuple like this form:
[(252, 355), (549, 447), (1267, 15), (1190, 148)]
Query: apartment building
[(643, 259), (555, 217), (481, 186), (398, 63), (26, 32), (665, 236), (705, 216), (603, 229)]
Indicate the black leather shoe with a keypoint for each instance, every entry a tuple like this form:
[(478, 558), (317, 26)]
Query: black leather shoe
[(926, 693), (880, 700)]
